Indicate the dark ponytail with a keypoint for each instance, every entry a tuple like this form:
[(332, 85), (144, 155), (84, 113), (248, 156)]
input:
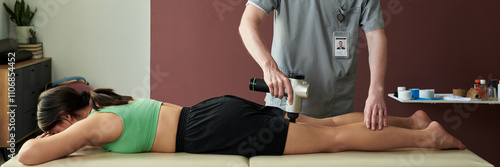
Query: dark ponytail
[(62, 100), (100, 98), (85, 97)]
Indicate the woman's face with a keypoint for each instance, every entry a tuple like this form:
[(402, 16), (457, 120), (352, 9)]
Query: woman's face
[(61, 126), (68, 120)]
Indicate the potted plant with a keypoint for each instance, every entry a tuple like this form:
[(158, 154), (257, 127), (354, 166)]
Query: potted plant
[(22, 16), (33, 38)]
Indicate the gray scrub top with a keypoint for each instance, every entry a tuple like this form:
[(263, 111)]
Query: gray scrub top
[(303, 43)]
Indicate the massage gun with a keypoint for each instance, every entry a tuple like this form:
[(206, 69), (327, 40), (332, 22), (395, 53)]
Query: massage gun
[(300, 91)]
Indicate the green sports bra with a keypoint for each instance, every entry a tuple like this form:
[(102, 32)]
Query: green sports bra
[(140, 119)]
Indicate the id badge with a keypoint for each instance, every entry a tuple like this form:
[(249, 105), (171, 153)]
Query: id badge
[(341, 44)]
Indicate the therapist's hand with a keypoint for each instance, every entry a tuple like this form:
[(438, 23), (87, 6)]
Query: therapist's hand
[(375, 111), (277, 82)]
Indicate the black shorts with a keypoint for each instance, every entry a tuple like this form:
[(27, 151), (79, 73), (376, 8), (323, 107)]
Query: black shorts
[(232, 125)]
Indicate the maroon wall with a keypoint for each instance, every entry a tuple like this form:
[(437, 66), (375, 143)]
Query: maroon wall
[(442, 45), (201, 51), (432, 44)]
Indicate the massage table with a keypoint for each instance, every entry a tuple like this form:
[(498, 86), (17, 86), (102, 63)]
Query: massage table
[(95, 156)]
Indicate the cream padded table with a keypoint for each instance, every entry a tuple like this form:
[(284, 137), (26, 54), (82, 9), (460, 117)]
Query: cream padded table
[(95, 156), (399, 158), (92, 156)]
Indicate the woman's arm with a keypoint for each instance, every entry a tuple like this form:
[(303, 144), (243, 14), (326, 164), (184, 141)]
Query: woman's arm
[(85, 132)]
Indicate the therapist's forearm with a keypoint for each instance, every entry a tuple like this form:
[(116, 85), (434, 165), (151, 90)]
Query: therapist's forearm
[(377, 48), (276, 80), (250, 34)]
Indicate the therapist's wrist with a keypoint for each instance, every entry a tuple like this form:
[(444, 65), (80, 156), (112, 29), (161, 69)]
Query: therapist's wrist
[(268, 65), (376, 90)]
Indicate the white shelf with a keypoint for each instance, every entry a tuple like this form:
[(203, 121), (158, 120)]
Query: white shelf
[(441, 95)]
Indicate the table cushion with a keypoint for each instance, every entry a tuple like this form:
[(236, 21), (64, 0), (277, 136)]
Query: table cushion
[(94, 156), (397, 157)]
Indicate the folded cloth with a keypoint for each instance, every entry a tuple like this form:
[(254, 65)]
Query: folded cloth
[(19, 56), (457, 98), (8, 45)]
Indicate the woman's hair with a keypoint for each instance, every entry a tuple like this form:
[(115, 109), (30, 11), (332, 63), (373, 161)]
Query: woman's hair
[(63, 100)]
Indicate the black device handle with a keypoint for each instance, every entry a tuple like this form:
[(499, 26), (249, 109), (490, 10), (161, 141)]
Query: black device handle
[(259, 85)]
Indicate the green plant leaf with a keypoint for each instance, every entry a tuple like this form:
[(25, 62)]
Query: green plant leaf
[(33, 14), (10, 12), (27, 16), (22, 6), (23, 19), (17, 11)]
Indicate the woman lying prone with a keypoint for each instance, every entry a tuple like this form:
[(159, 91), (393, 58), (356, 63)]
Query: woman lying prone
[(221, 125)]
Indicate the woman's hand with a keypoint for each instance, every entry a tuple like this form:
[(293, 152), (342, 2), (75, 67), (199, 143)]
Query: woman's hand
[(43, 135)]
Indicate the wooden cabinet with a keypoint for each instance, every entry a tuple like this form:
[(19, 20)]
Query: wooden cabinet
[(31, 76)]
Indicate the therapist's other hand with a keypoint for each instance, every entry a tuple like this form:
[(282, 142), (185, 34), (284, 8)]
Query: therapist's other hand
[(277, 82), (375, 112)]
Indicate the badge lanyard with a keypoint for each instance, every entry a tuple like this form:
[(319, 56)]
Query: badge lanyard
[(341, 18), (341, 39)]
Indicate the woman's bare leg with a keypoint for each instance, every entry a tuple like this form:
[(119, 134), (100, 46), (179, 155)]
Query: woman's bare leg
[(306, 138), (419, 120)]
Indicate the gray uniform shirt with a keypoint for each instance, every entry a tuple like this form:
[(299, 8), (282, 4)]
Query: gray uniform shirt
[(303, 43)]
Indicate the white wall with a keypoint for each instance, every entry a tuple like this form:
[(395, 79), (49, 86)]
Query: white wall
[(105, 41)]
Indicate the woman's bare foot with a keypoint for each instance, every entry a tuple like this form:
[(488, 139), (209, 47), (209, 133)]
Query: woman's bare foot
[(420, 120), (442, 139)]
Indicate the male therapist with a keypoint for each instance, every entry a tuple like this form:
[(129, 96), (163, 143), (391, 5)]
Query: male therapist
[(305, 33)]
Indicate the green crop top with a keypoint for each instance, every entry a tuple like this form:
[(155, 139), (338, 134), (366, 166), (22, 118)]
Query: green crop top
[(140, 119)]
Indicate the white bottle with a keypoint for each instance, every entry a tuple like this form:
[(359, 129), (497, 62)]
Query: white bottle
[(498, 89)]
